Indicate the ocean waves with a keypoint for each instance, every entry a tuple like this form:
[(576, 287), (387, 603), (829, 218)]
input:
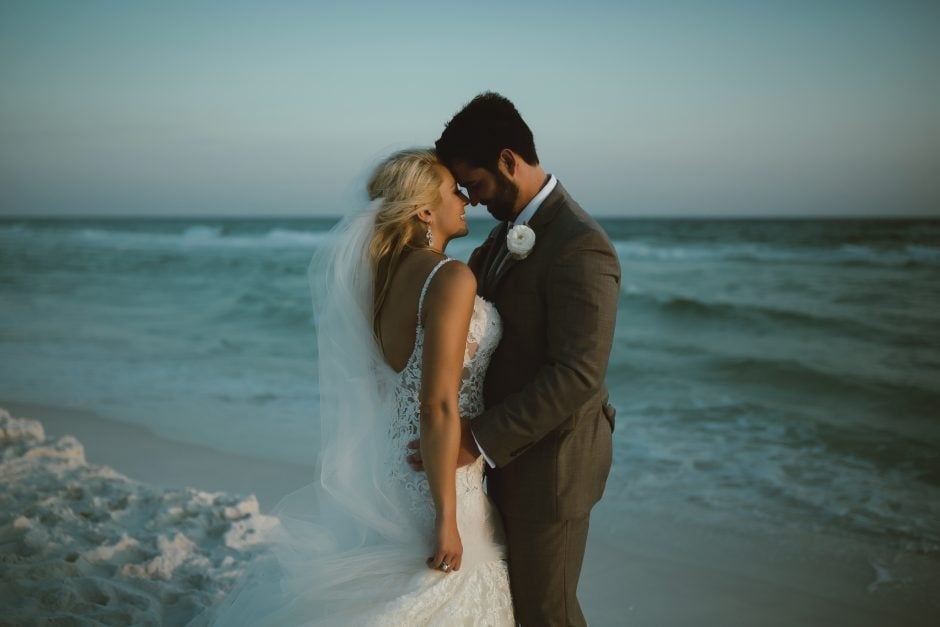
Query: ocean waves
[(782, 375), (784, 372), (173, 234), (757, 317), (842, 254), (772, 468), (816, 382), (308, 234)]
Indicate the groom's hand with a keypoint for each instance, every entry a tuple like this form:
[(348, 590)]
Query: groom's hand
[(414, 458), (468, 452)]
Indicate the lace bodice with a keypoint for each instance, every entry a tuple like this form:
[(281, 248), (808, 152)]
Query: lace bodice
[(482, 338)]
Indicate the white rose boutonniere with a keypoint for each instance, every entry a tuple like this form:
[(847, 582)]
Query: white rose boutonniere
[(520, 241)]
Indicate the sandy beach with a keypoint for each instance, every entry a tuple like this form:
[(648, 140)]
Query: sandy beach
[(639, 570), (140, 454)]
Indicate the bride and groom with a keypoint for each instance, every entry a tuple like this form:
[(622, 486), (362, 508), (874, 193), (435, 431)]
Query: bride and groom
[(433, 373)]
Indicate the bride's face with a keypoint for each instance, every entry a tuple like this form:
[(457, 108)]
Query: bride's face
[(448, 218)]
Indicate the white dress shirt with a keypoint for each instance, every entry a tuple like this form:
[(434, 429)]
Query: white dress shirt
[(529, 210)]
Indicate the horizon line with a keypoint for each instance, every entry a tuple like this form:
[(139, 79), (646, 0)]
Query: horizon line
[(293, 216)]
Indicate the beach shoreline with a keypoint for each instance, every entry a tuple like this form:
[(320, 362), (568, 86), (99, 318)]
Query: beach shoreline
[(145, 456), (639, 569)]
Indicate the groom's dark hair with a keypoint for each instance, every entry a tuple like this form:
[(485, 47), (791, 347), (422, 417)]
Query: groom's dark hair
[(482, 129)]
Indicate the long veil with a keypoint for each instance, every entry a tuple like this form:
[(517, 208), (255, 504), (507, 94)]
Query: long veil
[(343, 543), (356, 391)]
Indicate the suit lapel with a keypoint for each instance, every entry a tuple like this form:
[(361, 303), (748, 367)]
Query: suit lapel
[(498, 244), (490, 256), (508, 262), (481, 259), (545, 214)]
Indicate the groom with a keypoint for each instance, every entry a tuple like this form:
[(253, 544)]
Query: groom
[(546, 431)]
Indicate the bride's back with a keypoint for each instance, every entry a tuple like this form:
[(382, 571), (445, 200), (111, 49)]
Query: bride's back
[(397, 320)]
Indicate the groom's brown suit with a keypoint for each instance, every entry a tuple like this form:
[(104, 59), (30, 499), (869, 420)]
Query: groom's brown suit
[(548, 425)]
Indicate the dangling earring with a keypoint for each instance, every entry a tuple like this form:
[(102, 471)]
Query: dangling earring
[(430, 237)]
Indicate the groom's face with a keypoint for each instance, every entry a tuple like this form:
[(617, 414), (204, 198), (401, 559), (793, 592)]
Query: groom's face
[(492, 188)]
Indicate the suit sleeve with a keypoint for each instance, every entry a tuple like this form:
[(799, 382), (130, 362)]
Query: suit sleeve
[(581, 300)]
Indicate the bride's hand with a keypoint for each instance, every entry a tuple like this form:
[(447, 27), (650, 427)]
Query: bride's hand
[(449, 549)]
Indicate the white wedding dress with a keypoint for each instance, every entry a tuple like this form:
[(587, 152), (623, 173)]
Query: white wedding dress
[(383, 579), (478, 594)]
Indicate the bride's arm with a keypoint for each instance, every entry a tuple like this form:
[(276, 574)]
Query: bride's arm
[(447, 309)]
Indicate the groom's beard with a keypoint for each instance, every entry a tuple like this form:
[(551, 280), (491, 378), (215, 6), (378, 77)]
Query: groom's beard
[(502, 205)]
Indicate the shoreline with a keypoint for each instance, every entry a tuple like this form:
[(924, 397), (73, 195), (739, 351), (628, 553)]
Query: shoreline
[(142, 455), (639, 569)]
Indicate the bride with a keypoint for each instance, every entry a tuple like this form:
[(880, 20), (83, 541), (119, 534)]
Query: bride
[(404, 343)]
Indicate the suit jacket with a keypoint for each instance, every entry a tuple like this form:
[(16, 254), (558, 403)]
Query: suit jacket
[(547, 423)]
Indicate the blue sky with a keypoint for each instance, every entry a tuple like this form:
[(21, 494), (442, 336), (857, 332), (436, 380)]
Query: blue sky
[(652, 108)]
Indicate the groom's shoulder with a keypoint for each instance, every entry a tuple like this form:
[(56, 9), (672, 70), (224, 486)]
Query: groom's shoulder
[(574, 223)]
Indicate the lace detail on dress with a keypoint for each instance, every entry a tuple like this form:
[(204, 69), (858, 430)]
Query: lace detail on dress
[(483, 337), (485, 333), (473, 596)]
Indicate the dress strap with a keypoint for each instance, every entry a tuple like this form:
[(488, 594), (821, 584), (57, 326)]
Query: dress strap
[(427, 283)]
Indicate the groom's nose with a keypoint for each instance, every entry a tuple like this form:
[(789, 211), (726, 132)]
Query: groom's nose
[(474, 199)]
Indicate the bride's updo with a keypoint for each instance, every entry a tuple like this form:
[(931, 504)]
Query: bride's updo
[(405, 183)]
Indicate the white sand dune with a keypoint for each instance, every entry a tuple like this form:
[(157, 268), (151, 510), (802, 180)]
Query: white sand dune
[(83, 543)]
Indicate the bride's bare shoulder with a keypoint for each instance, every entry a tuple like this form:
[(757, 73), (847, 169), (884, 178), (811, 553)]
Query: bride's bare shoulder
[(454, 283), (456, 275)]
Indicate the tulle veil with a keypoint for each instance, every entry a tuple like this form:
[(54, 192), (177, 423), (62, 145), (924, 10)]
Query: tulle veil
[(343, 543)]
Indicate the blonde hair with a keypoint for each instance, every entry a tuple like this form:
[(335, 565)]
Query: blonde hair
[(406, 182)]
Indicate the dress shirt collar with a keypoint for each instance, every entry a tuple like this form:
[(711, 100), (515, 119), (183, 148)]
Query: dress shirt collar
[(526, 214)]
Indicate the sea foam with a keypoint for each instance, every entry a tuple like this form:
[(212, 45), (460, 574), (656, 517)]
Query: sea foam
[(85, 543)]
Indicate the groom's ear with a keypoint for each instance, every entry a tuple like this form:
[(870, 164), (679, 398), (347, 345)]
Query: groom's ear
[(506, 162)]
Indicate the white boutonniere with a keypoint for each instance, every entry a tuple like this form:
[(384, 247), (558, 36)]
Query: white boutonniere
[(520, 241)]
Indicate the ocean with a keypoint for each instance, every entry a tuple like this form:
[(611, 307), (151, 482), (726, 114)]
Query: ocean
[(768, 374)]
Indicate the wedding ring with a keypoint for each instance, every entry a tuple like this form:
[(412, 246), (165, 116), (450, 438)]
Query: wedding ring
[(445, 566)]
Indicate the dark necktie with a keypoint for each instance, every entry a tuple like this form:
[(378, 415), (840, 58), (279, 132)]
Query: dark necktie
[(499, 257)]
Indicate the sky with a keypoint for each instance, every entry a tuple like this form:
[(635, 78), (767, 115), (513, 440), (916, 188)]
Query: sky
[(640, 108)]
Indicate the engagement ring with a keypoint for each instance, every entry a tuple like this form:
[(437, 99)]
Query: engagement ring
[(445, 566)]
